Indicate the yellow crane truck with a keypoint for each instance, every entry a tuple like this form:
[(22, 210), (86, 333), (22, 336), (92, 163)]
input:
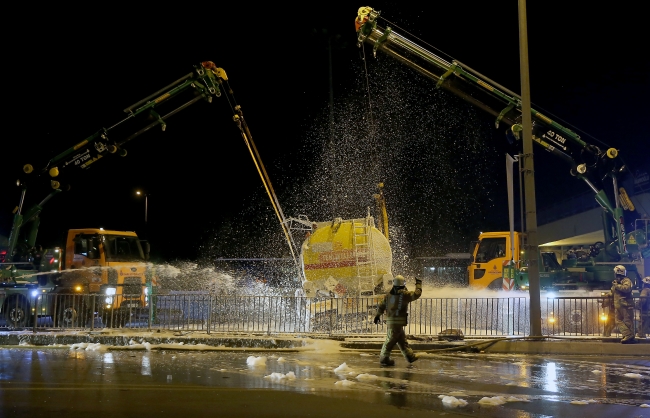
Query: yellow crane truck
[(99, 272)]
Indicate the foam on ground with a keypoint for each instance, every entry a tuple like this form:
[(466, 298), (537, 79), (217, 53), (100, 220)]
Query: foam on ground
[(281, 376), (365, 377), (453, 402), (256, 361), (343, 368), (344, 383), (89, 347)]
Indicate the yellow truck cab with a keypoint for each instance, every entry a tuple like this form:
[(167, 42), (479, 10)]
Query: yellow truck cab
[(488, 256), (110, 263)]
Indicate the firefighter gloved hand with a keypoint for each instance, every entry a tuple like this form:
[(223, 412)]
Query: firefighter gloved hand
[(377, 320)]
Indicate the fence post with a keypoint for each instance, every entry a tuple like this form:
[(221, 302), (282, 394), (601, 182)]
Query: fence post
[(209, 313), (92, 312), (150, 295), (35, 313), (458, 317), (331, 321)]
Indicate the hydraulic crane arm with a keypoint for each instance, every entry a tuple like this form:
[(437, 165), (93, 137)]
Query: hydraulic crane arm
[(587, 161), (205, 82)]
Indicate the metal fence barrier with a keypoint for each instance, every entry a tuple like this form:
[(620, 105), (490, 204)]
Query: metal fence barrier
[(587, 316)]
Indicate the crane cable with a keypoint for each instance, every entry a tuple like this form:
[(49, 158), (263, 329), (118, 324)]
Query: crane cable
[(267, 185), (365, 67), (238, 117)]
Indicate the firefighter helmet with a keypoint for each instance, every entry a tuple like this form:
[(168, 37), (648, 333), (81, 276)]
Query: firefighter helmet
[(399, 281), (619, 270)]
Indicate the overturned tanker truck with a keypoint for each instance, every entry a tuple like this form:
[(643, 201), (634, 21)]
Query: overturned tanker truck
[(344, 265), (344, 257)]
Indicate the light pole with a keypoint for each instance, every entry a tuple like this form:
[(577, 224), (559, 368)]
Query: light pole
[(146, 208)]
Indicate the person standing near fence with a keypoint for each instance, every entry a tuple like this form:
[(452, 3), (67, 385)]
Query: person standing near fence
[(395, 304), (643, 305), (624, 304)]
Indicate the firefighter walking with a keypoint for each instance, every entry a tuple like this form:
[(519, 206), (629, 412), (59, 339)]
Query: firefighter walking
[(624, 304), (395, 304), (643, 305)]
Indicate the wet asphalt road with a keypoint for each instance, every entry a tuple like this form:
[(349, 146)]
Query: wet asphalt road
[(125, 383)]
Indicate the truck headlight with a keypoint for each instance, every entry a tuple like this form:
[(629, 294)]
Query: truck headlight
[(110, 291), (108, 300)]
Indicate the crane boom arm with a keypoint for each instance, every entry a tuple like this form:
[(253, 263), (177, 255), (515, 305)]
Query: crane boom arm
[(205, 82), (588, 162)]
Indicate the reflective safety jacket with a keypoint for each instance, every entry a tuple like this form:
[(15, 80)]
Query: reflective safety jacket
[(396, 303), (622, 290)]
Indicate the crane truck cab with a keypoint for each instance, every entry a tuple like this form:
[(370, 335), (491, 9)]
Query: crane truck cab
[(494, 265), (112, 264), (98, 272)]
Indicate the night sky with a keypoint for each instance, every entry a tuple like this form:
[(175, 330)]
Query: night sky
[(69, 72)]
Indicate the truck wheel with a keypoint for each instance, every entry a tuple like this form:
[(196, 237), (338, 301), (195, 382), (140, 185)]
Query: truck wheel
[(17, 312), (71, 315)]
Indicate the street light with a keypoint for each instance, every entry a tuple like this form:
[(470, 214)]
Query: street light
[(146, 206)]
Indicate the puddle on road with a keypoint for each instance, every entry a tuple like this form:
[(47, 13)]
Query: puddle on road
[(534, 385)]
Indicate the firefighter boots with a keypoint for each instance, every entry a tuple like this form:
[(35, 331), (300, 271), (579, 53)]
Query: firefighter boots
[(628, 340), (386, 361)]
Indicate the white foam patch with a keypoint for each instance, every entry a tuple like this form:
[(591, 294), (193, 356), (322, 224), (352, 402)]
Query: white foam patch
[(453, 402), (596, 371), (365, 377), (281, 360), (89, 347), (644, 405), (495, 400), (633, 375), (344, 383), (587, 402), (280, 376), (515, 399), (256, 361), (343, 368), (323, 346), (365, 355)]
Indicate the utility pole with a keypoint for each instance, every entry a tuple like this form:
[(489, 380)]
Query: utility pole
[(529, 179)]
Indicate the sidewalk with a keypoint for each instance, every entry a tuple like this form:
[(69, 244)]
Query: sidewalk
[(194, 340)]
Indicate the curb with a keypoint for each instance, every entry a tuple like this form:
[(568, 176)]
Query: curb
[(289, 342), (234, 342)]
